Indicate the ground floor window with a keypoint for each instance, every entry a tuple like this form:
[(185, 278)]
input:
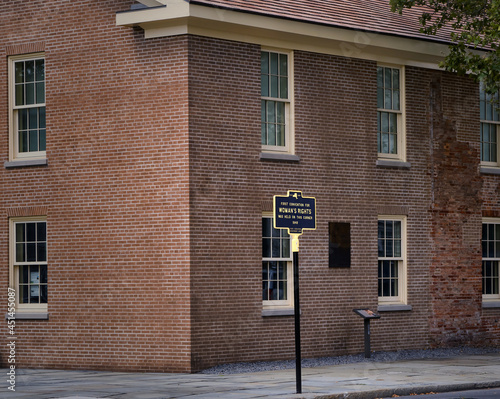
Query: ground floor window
[(491, 257), (28, 263), (277, 273), (391, 260)]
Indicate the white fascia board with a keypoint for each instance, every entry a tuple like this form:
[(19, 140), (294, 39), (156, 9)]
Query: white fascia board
[(152, 3), (180, 17)]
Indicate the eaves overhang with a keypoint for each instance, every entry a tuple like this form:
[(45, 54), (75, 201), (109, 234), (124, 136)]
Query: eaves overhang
[(180, 17)]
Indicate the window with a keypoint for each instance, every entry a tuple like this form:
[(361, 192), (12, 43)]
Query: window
[(277, 272), (491, 257), (28, 265), (490, 122), (390, 116), (276, 103), (27, 107), (391, 260)]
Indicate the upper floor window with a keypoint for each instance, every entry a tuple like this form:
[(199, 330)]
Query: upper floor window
[(391, 260), (27, 107), (276, 102), (390, 115), (277, 272), (491, 258), (490, 122)]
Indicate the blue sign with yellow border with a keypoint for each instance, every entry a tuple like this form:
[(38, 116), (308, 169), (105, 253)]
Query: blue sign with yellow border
[(294, 212)]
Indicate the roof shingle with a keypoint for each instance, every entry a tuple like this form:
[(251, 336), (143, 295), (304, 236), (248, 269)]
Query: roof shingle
[(365, 15)]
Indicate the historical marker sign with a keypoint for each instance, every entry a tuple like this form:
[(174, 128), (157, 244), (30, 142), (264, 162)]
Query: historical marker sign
[(294, 212)]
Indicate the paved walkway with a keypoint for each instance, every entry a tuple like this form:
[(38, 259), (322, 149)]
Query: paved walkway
[(366, 380)]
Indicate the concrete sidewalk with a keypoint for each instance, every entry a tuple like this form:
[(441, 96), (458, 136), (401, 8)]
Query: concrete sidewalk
[(366, 380)]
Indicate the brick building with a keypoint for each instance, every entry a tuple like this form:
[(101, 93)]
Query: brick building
[(142, 144)]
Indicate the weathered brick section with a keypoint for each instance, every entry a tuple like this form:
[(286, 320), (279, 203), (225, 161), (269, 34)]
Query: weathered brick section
[(455, 284)]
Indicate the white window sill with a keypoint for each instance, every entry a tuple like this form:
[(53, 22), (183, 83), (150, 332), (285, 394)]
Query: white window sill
[(30, 316), (490, 170), (491, 304), (24, 163), (387, 163), (277, 312), (272, 156), (395, 308)]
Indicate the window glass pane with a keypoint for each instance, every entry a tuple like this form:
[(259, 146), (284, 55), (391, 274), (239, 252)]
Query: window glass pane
[(286, 248), (33, 140), (283, 65), (23, 294), (43, 294), (40, 70), (274, 63), (395, 79), (24, 274), (19, 72), (283, 87), (30, 231), (30, 93), (41, 252), (20, 232), (40, 92), (19, 94), (264, 86), (43, 274), (20, 253), (42, 139), (274, 85), (23, 119), (266, 248), (31, 252), (29, 71), (266, 227), (276, 248)]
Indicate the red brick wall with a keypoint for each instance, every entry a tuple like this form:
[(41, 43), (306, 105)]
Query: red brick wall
[(115, 190), (154, 195)]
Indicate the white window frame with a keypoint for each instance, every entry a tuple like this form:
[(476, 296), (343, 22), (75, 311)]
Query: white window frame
[(401, 298), (14, 154), (280, 304), (400, 154), (289, 146), (490, 122), (490, 297), (13, 265)]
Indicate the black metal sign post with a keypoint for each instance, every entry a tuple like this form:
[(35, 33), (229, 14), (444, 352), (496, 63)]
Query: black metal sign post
[(295, 213), (367, 315)]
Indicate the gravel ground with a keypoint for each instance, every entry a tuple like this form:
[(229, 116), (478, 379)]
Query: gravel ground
[(235, 368)]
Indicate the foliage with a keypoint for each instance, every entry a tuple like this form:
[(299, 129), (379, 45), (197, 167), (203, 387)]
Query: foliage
[(472, 25)]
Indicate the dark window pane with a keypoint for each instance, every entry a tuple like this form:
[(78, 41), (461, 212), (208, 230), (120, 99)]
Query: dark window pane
[(43, 294), (20, 255), (30, 231), (24, 274), (41, 231), (266, 248), (43, 274), (41, 252), (19, 72), (31, 252), (20, 232), (40, 70)]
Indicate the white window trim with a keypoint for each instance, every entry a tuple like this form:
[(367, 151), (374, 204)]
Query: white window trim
[(489, 164), (13, 276), (401, 299), (14, 154), (289, 303), (401, 153), (489, 297), (289, 147)]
